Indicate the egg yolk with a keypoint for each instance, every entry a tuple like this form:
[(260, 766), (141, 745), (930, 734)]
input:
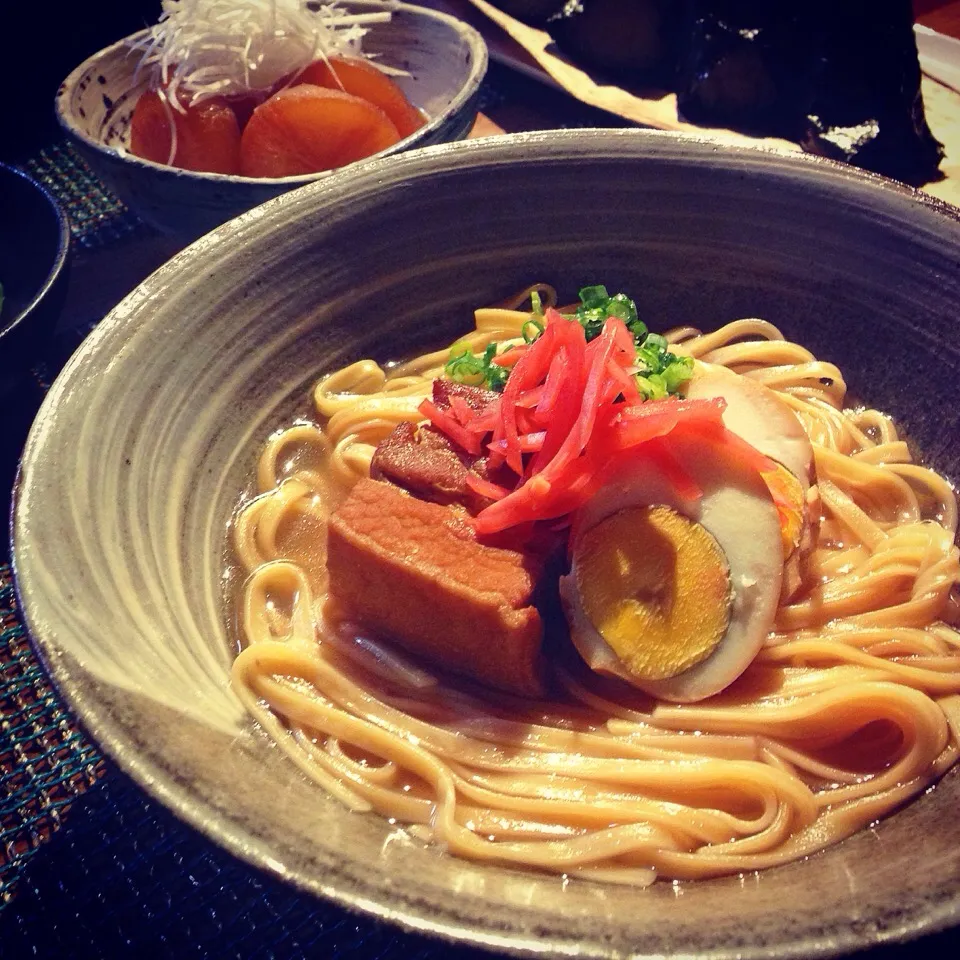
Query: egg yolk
[(656, 587), (789, 499)]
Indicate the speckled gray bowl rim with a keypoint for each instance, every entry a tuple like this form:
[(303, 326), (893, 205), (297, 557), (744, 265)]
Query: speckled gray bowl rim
[(366, 177), (478, 68)]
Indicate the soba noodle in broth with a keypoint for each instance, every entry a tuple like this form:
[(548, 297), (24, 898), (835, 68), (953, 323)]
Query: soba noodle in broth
[(851, 707)]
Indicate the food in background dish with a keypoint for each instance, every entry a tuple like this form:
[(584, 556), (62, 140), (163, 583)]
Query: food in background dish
[(264, 88), (306, 128), (203, 136), (575, 596), (362, 79)]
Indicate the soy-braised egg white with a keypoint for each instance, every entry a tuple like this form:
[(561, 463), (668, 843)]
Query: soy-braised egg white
[(675, 593), (756, 414)]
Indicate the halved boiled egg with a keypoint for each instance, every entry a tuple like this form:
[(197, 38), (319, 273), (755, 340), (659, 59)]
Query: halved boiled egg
[(672, 594), (755, 413)]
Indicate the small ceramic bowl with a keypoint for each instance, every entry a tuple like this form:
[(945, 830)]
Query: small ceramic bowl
[(142, 448), (34, 246), (445, 61)]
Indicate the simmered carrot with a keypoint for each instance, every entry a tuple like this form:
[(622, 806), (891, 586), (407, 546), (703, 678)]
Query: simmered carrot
[(306, 129), (364, 80), (208, 135), (243, 104)]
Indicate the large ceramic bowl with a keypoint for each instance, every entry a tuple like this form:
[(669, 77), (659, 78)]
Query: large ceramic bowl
[(444, 62), (147, 438)]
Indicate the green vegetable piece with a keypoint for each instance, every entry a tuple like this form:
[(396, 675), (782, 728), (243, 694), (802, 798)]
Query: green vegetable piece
[(463, 366), (495, 377), (678, 372), (652, 387), (476, 371), (660, 372), (595, 296), (597, 305), (537, 330)]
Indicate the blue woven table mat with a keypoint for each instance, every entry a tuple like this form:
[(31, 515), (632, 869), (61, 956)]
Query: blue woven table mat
[(125, 877), (46, 761)]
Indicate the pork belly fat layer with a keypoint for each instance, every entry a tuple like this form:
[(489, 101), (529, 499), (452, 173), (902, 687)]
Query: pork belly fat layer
[(414, 572)]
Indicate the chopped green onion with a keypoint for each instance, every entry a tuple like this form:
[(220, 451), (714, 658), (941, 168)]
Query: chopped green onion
[(659, 372), (537, 330), (677, 373), (653, 387), (463, 366), (476, 371), (595, 296), (495, 378), (597, 305)]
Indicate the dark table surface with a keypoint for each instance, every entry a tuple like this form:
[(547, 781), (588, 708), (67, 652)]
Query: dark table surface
[(90, 866)]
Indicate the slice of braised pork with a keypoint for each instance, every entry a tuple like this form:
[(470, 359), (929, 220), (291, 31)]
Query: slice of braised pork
[(415, 573)]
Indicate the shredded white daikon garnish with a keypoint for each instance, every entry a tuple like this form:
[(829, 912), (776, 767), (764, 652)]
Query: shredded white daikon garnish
[(208, 48)]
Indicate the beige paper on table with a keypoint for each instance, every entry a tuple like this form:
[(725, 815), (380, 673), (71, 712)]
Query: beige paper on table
[(942, 103)]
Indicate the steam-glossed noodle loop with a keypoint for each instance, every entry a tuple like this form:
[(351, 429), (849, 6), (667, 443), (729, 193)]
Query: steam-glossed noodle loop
[(850, 707)]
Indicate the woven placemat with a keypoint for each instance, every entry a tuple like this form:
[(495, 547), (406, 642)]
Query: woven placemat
[(45, 760), (97, 217), (124, 877)]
